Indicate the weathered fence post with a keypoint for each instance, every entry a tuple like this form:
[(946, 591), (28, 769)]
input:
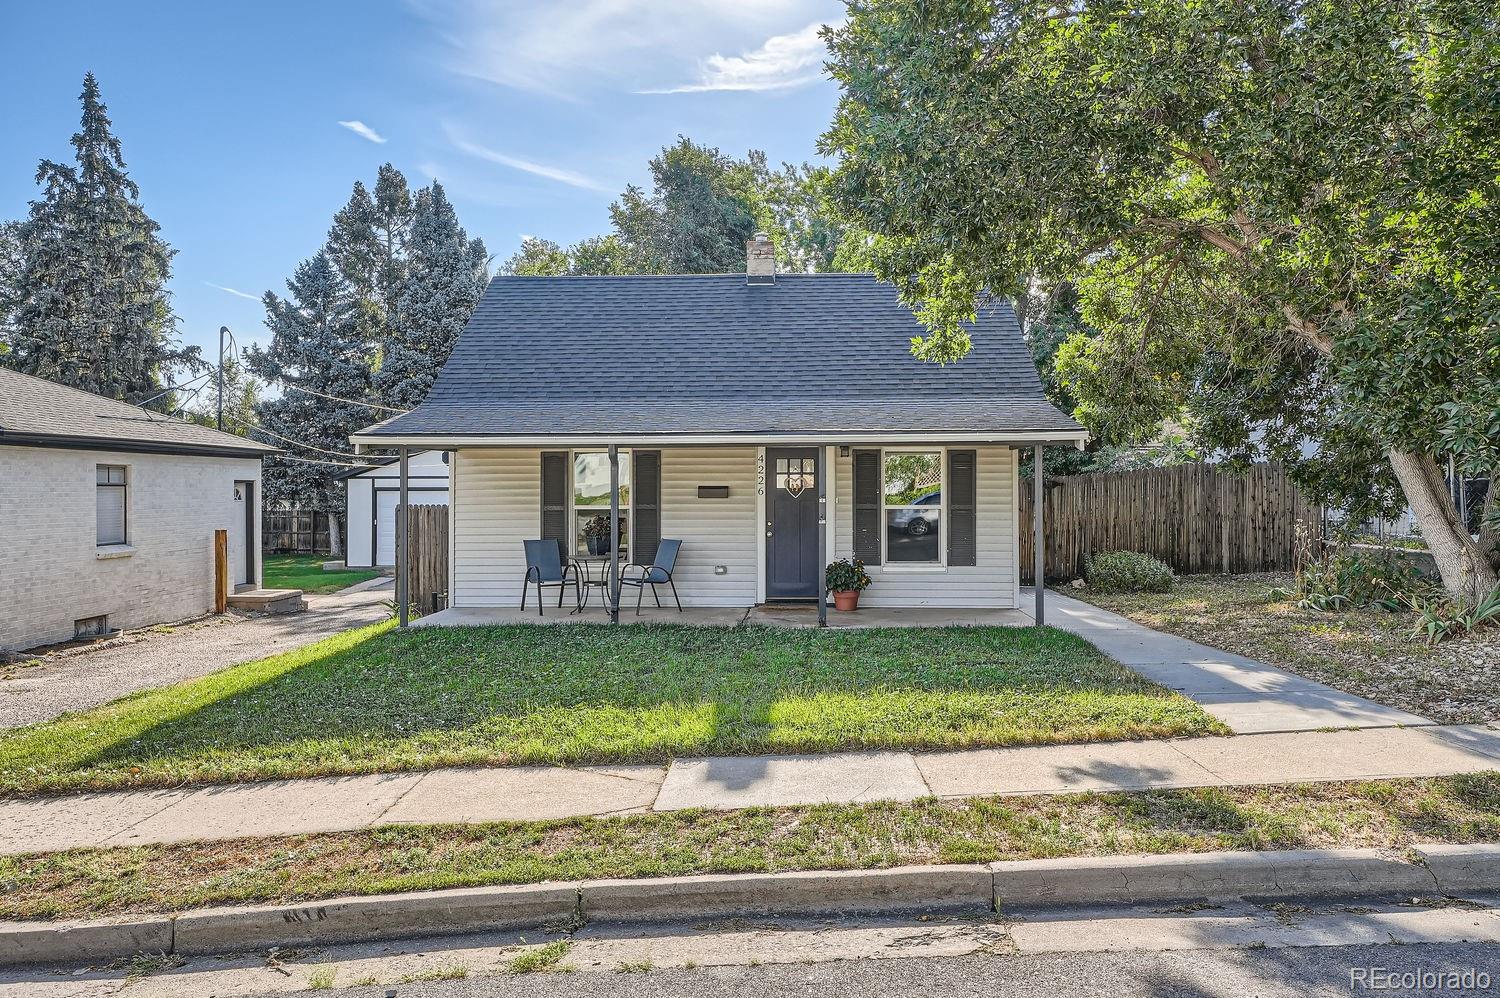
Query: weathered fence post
[(221, 571)]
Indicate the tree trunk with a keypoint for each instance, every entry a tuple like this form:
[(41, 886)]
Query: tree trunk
[(1489, 528), (1467, 573), (335, 536)]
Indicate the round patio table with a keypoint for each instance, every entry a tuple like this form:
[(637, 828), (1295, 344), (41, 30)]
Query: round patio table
[(593, 571)]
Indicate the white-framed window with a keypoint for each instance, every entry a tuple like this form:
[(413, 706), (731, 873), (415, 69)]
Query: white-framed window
[(110, 505), (590, 502), (912, 489)]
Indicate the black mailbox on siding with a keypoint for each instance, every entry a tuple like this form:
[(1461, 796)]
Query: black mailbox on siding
[(713, 492)]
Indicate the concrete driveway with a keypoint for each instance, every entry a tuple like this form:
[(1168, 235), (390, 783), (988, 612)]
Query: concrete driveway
[(80, 678)]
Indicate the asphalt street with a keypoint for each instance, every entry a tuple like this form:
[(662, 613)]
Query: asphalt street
[(1266, 973)]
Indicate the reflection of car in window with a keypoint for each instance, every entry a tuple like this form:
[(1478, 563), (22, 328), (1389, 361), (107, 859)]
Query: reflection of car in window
[(921, 516)]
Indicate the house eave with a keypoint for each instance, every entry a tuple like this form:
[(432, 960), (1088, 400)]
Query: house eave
[(1013, 438), (70, 442)]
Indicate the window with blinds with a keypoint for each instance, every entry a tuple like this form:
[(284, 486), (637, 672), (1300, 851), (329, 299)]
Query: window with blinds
[(109, 505)]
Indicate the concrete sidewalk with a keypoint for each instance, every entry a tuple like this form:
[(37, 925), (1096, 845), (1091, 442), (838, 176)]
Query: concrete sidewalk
[(1247, 695), (538, 792)]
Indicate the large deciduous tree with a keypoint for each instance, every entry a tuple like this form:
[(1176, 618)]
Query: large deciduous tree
[(88, 303), (702, 208), (1281, 215), (694, 221)]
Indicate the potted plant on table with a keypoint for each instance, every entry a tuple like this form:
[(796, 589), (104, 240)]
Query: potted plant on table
[(846, 579), (596, 534)]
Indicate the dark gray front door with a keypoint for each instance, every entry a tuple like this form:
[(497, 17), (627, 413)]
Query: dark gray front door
[(792, 557)]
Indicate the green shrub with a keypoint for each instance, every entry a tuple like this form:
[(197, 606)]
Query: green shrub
[(1344, 579), (1127, 572)]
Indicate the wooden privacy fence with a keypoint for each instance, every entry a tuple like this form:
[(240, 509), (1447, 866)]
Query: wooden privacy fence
[(427, 553), (1195, 517), (292, 530)]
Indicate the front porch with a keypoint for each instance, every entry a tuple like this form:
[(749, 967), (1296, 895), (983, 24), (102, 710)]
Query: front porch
[(935, 523), (714, 616)]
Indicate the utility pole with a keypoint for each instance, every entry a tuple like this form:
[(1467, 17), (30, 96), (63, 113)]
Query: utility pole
[(223, 331)]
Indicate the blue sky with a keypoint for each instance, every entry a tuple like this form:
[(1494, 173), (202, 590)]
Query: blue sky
[(245, 125)]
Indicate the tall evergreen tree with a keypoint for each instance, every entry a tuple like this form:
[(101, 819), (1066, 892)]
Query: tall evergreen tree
[(91, 307), (445, 274), (367, 245), (317, 345), (10, 276)]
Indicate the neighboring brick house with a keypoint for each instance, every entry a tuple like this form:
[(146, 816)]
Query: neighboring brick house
[(108, 513)]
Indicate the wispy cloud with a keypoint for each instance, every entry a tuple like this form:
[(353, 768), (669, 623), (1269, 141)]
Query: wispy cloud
[(363, 130), (232, 291), (566, 49), (556, 173), (783, 62)]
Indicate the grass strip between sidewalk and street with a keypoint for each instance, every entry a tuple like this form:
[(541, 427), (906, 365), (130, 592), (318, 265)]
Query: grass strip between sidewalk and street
[(379, 700), (1392, 814)]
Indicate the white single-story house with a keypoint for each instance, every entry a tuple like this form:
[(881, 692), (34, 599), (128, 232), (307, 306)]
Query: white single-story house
[(770, 422), (370, 498), (108, 513)]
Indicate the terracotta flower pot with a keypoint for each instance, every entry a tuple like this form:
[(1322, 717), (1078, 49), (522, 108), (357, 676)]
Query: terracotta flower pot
[(846, 599)]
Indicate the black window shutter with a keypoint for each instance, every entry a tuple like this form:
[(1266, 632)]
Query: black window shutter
[(961, 492), (555, 501), (645, 504), (867, 511)]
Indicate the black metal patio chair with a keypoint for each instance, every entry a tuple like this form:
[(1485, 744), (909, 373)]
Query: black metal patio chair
[(659, 572), (544, 567)]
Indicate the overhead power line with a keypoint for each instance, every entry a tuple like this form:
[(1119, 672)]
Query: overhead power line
[(335, 398), (173, 388), (291, 440), (313, 460)]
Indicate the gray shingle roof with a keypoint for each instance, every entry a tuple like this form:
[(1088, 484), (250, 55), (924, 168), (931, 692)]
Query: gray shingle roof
[(711, 354), (37, 411)]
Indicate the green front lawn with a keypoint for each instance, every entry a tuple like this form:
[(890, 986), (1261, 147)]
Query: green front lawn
[(305, 572), (377, 700), (1394, 814)]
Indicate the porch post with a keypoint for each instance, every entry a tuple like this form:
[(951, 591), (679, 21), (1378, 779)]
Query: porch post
[(821, 471), (402, 558), (614, 534), (1038, 550)]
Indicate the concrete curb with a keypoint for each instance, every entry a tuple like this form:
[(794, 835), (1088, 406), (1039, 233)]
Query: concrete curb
[(1004, 887), (1462, 868), (1143, 879)]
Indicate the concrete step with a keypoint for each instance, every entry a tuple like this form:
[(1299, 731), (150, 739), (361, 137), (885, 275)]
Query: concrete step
[(269, 601)]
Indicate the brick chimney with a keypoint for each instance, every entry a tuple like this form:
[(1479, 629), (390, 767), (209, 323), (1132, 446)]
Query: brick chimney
[(760, 260)]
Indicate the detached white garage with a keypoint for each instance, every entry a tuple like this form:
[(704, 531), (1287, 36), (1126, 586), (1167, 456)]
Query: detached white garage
[(370, 498)]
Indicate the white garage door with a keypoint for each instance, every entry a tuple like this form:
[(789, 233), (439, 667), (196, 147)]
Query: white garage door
[(385, 519)]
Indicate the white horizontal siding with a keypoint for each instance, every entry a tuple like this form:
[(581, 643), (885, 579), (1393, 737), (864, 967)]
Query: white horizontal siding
[(496, 504), (991, 582), (713, 531)]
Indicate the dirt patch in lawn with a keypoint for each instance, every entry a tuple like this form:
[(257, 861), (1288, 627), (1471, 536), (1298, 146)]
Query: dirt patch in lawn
[(1368, 652)]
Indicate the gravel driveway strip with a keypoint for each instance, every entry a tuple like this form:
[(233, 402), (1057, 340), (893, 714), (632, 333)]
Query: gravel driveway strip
[(82, 678)]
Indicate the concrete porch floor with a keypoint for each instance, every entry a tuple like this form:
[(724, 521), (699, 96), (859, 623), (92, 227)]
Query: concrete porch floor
[(770, 616)]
